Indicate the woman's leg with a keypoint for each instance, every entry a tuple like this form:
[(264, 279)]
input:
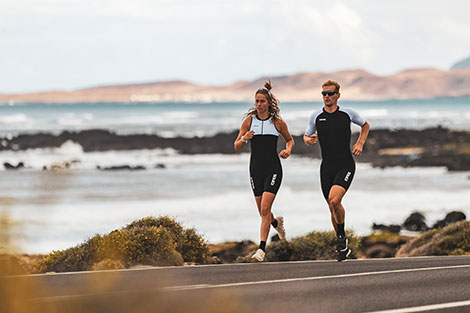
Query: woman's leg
[(267, 217), (258, 205)]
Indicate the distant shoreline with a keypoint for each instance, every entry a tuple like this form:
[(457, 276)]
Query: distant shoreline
[(421, 83), (313, 100)]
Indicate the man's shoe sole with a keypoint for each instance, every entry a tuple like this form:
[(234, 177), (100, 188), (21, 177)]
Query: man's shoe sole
[(345, 257)]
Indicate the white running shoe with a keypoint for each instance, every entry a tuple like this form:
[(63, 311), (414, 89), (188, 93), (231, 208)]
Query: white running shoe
[(281, 231), (259, 255)]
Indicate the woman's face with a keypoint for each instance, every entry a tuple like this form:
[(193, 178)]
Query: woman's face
[(261, 103)]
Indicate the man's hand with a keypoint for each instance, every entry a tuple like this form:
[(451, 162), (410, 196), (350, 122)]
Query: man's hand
[(310, 140), (284, 154), (357, 149)]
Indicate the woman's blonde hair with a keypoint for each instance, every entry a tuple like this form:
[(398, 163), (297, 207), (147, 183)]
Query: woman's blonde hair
[(273, 108)]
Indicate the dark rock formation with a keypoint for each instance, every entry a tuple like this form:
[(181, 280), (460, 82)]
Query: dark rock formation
[(452, 217), (228, 252), (394, 229), (382, 246), (10, 166), (428, 147), (415, 222), (121, 167)]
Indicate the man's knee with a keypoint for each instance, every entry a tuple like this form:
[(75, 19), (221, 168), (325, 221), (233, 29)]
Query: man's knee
[(334, 203)]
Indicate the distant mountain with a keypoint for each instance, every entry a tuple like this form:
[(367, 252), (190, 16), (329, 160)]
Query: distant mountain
[(461, 64), (355, 85)]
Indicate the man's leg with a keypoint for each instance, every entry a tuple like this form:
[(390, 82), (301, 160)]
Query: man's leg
[(337, 217), (336, 208)]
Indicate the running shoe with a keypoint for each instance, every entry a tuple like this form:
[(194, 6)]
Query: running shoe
[(259, 255), (281, 231), (342, 249)]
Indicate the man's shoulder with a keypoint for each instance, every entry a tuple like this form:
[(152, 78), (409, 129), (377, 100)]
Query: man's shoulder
[(353, 115), (347, 110), (316, 113)]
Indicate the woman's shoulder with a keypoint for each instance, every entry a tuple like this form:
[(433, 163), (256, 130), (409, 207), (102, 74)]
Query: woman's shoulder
[(279, 123), (247, 121)]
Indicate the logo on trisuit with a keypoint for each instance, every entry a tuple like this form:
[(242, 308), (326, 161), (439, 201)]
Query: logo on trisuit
[(273, 181)]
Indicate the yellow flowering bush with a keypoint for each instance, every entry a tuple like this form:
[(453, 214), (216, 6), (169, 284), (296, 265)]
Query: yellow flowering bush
[(150, 241)]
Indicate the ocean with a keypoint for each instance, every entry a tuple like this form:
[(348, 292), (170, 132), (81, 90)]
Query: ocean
[(56, 210)]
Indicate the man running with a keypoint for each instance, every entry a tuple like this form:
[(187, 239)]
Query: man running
[(331, 125)]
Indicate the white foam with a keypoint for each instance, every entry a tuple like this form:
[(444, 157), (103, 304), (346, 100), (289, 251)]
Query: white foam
[(14, 118), (372, 113), (72, 153)]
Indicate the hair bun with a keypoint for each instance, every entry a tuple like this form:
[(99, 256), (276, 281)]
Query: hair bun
[(268, 85)]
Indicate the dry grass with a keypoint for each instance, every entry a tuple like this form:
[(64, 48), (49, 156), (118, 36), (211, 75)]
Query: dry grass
[(453, 239)]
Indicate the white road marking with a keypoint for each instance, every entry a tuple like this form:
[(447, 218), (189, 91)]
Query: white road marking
[(426, 308), (208, 286), (287, 280)]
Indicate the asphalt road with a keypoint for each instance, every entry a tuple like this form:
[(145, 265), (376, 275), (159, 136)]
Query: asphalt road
[(427, 284)]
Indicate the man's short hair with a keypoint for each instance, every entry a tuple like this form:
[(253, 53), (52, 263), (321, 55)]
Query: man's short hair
[(331, 83)]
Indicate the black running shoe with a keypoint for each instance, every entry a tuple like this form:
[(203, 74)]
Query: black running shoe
[(342, 250)]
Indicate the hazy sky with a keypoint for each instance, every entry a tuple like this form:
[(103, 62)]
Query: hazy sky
[(71, 44)]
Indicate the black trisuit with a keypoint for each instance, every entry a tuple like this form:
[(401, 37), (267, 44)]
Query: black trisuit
[(265, 165), (334, 135)]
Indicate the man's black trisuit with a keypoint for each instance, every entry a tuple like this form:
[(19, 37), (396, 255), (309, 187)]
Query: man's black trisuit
[(265, 165), (334, 136)]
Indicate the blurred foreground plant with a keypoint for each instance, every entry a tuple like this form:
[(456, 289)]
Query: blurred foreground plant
[(96, 293)]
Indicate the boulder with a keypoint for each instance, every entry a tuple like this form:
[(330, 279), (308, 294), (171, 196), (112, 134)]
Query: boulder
[(452, 217), (415, 222), (9, 166)]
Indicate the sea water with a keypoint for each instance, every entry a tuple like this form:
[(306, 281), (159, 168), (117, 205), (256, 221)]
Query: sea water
[(56, 210), (205, 119)]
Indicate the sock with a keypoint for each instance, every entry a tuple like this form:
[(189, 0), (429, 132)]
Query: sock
[(340, 230), (274, 223), (262, 245)]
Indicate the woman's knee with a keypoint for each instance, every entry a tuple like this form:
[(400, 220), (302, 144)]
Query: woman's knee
[(265, 212)]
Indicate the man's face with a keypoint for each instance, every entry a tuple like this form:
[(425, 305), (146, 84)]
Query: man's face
[(330, 99)]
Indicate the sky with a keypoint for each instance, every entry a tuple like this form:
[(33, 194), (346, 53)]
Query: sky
[(73, 44)]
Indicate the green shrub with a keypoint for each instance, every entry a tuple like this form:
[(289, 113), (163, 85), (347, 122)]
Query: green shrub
[(313, 246), (149, 241), (193, 247), (108, 264), (166, 222), (453, 239)]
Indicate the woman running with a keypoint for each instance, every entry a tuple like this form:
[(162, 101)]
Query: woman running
[(262, 126)]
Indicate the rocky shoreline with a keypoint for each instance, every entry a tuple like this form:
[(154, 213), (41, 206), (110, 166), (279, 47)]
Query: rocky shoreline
[(384, 148)]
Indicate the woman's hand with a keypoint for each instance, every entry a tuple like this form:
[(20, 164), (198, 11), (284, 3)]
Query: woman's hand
[(248, 135)]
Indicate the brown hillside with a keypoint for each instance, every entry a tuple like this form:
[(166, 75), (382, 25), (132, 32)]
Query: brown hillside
[(356, 85)]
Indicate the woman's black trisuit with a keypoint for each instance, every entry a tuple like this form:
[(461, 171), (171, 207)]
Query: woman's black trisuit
[(265, 165)]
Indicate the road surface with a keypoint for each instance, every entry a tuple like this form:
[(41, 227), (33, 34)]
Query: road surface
[(424, 284)]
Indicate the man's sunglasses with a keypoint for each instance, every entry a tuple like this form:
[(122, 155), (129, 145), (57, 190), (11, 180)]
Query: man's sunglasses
[(328, 93)]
